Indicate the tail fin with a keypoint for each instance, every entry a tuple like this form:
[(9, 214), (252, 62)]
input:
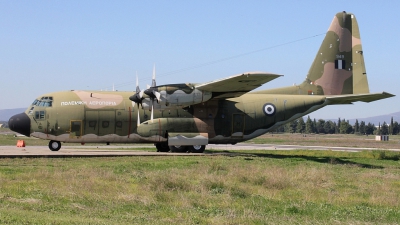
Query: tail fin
[(338, 67)]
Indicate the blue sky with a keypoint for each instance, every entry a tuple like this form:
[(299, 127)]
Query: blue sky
[(48, 46)]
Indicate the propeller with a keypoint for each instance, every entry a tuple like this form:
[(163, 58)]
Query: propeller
[(137, 98), (152, 92)]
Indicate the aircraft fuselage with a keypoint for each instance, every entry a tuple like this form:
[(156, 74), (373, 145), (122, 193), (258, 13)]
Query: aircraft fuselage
[(110, 117)]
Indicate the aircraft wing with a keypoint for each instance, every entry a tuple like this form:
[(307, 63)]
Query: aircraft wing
[(349, 99), (237, 85)]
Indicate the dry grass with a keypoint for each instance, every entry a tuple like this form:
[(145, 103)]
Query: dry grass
[(204, 190)]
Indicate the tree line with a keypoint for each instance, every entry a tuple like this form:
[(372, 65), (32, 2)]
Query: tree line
[(342, 126)]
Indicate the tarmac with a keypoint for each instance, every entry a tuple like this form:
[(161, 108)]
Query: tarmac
[(129, 150)]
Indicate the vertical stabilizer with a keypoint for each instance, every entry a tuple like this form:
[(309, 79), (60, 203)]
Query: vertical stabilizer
[(338, 67)]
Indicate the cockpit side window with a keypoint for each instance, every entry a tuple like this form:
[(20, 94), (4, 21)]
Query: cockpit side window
[(40, 115)]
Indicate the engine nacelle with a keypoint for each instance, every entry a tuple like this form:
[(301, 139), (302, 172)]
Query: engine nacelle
[(176, 96)]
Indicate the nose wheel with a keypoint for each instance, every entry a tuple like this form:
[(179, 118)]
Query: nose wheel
[(54, 145)]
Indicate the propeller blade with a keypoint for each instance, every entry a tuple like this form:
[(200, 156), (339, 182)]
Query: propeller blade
[(138, 116), (141, 94), (138, 96), (137, 84), (153, 82), (158, 95), (152, 111)]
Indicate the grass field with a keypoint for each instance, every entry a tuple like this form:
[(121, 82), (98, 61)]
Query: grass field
[(250, 187)]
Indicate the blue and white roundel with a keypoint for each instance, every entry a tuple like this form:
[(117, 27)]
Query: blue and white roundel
[(269, 109)]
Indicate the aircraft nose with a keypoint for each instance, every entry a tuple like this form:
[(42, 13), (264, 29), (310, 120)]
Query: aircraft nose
[(20, 123)]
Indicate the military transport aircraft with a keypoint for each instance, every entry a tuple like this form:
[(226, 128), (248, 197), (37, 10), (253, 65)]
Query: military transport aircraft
[(188, 116)]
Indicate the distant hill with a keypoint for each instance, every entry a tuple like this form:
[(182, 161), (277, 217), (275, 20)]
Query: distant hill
[(373, 119), (6, 114), (379, 119)]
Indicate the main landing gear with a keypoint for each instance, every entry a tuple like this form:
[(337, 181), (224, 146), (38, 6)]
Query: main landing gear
[(163, 147), (54, 145)]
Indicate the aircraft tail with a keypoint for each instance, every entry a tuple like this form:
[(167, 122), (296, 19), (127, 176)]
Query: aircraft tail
[(338, 68)]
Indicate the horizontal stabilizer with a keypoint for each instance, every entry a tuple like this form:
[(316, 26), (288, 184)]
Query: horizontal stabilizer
[(349, 99), (237, 85)]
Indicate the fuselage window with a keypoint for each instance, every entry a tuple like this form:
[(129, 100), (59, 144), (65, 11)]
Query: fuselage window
[(105, 124), (119, 124), (34, 102), (92, 123)]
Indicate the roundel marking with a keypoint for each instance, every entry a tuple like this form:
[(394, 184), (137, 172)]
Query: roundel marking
[(269, 109)]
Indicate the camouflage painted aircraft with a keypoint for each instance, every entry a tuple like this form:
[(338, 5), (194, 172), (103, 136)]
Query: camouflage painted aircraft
[(187, 117)]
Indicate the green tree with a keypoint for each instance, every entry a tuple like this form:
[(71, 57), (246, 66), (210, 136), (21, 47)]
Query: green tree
[(309, 126), (391, 126), (370, 128), (378, 131), (314, 126), (362, 127), (291, 127), (384, 129), (345, 127), (329, 127), (301, 126), (395, 128), (320, 126), (356, 127)]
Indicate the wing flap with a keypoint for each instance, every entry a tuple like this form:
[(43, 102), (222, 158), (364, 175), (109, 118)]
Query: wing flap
[(349, 99), (237, 85)]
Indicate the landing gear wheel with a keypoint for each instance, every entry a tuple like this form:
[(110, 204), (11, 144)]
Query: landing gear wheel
[(54, 145), (178, 148), (162, 147), (197, 148)]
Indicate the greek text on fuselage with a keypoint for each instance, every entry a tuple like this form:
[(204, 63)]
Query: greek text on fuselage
[(104, 103)]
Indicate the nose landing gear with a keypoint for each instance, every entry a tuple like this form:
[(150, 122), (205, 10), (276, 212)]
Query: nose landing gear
[(54, 145)]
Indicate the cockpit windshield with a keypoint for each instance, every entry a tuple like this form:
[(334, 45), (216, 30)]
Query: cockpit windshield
[(46, 101)]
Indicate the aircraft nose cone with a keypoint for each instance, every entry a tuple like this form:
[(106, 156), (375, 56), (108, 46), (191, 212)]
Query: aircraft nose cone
[(20, 123)]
